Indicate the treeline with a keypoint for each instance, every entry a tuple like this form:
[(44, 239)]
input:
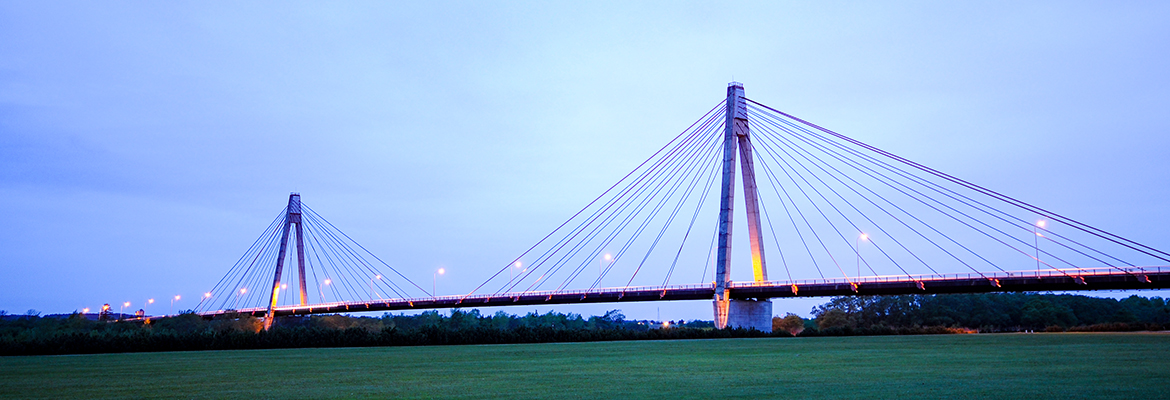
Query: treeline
[(990, 312), (863, 315), (30, 334)]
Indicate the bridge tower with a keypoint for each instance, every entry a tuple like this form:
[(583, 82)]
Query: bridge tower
[(292, 217), (739, 313)]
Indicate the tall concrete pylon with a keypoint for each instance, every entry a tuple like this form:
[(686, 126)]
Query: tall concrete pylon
[(739, 313), (292, 217)]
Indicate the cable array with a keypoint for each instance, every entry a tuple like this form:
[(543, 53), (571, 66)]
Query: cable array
[(337, 269), (898, 217), (833, 208), (621, 238)]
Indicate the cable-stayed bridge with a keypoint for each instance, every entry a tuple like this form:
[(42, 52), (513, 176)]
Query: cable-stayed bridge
[(831, 215)]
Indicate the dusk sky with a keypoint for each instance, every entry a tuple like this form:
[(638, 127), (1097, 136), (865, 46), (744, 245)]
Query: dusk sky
[(145, 145)]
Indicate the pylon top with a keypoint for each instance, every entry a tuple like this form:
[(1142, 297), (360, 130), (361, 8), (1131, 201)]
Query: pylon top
[(294, 204), (735, 101)]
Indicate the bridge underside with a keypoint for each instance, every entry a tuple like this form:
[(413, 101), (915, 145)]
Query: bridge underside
[(754, 290)]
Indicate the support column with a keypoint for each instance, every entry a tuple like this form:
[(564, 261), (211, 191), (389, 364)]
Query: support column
[(726, 209), (292, 216), (740, 313)]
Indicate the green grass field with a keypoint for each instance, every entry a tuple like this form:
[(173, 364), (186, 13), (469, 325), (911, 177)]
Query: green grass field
[(1037, 366)]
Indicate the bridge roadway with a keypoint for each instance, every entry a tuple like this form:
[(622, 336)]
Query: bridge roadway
[(1130, 278)]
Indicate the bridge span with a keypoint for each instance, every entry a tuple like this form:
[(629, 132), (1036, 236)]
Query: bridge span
[(1133, 278)]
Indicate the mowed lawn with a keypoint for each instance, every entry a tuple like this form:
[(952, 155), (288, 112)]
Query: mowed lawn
[(1025, 366)]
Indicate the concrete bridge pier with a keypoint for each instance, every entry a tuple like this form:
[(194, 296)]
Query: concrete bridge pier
[(749, 313)]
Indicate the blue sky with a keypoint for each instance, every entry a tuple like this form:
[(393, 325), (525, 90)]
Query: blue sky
[(145, 145)]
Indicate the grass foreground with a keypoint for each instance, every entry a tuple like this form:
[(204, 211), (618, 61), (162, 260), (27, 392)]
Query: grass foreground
[(1031, 366)]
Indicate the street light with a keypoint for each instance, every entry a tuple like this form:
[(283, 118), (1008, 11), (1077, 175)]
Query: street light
[(282, 286), (376, 277), (516, 264), (171, 311), (600, 266), (1036, 233), (857, 249), (435, 280), (321, 291), (122, 309)]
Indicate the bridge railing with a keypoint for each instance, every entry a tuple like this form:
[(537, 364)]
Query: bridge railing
[(586, 292), (473, 298), (971, 275)]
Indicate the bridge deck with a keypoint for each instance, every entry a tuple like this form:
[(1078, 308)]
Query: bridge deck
[(1029, 281)]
